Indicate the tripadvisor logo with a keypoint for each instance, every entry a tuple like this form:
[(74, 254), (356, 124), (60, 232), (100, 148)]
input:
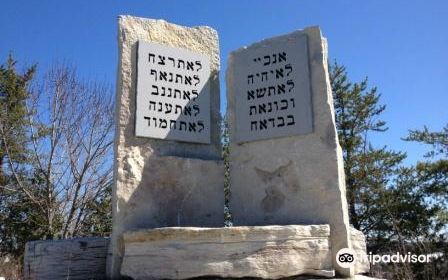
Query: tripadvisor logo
[(346, 257)]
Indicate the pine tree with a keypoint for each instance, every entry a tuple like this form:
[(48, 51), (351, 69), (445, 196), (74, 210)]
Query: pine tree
[(13, 114), (431, 179), (17, 219), (368, 170), (399, 209)]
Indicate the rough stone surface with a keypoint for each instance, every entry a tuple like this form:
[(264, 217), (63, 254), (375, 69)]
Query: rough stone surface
[(356, 277), (80, 258), (161, 183), (297, 179), (359, 244), (266, 252), (83, 258)]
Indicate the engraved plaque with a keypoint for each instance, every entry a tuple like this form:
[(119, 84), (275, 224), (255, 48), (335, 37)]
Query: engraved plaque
[(173, 94), (272, 89)]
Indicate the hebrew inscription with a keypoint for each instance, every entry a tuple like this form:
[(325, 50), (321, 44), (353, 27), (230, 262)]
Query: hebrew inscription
[(273, 96), (173, 94)]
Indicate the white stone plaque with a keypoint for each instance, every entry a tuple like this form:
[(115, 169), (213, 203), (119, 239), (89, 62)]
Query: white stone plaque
[(272, 90), (173, 94)]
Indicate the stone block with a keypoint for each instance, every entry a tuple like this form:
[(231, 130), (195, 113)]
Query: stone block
[(359, 245), (281, 176), (356, 277), (79, 258), (163, 182), (269, 252)]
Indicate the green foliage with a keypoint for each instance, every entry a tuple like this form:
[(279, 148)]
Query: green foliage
[(368, 170), (438, 140), (400, 209), (13, 114), (99, 215), (18, 220), (431, 177)]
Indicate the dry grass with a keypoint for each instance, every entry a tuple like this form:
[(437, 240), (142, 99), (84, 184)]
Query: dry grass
[(10, 268)]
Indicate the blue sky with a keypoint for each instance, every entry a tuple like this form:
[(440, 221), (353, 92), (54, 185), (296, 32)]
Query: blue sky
[(402, 46)]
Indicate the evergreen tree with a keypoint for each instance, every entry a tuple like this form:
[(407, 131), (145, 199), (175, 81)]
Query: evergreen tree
[(368, 170), (431, 177), (18, 220), (399, 209), (13, 114)]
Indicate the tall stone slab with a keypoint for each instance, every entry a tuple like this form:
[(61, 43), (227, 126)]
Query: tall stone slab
[(168, 169), (286, 162)]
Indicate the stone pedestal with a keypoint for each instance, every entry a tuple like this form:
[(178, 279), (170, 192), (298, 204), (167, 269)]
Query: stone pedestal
[(183, 252), (269, 252)]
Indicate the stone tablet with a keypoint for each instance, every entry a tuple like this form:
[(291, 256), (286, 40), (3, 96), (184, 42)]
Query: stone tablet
[(273, 90), (173, 93), (165, 176), (298, 179)]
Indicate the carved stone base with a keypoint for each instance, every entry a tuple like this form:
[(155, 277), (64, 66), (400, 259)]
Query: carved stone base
[(211, 253), (259, 251)]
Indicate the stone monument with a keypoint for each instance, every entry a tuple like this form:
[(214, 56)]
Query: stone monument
[(168, 170), (287, 176), (284, 152), (288, 193)]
